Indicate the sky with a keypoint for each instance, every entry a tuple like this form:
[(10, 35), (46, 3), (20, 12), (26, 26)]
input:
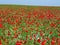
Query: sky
[(32, 2)]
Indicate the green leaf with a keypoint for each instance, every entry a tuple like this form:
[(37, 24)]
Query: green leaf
[(1, 34)]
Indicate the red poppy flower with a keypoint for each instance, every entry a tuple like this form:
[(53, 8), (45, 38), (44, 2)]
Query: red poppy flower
[(52, 25), (44, 42), (52, 42), (9, 20), (30, 37), (41, 33), (29, 23), (37, 24), (35, 13), (38, 40), (59, 44), (29, 16), (15, 28), (58, 41), (35, 35), (59, 34), (12, 23), (58, 22), (50, 16), (26, 31), (17, 20), (51, 32), (20, 18), (0, 19), (0, 42), (15, 36), (8, 33), (41, 16), (18, 43), (1, 25), (56, 17)]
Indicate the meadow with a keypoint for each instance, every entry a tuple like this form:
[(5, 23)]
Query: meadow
[(29, 25)]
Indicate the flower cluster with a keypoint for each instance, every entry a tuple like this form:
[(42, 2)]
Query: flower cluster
[(24, 25)]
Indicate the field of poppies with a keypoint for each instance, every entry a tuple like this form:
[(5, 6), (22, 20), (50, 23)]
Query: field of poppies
[(29, 25)]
